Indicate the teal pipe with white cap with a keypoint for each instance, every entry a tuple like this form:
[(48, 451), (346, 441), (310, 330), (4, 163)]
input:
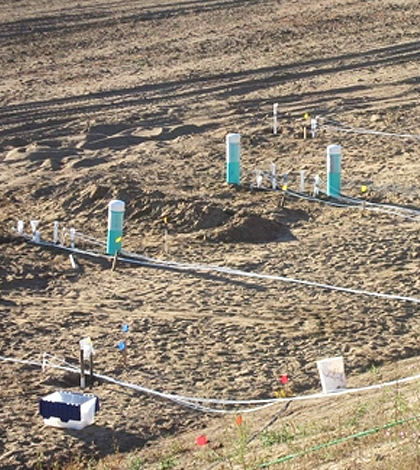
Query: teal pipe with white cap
[(233, 158), (116, 211), (334, 170)]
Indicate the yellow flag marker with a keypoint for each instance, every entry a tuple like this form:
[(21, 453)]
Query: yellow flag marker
[(118, 240), (165, 220), (284, 187), (363, 189), (306, 116)]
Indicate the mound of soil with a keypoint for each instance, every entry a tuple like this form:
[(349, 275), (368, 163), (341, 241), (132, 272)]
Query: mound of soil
[(251, 229)]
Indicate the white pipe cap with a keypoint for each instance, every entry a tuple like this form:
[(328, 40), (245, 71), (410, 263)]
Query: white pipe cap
[(116, 206)]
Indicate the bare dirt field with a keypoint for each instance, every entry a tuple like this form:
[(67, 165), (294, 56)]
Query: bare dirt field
[(132, 100)]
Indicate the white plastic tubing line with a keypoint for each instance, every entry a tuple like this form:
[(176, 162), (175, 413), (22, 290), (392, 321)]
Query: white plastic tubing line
[(383, 208), (193, 402), (235, 272), (356, 130), (353, 203), (89, 239), (305, 197), (151, 262)]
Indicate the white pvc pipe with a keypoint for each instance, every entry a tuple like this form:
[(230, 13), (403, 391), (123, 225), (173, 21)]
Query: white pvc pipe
[(275, 107), (314, 127), (72, 236), (34, 225), (20, 227), (273, 175), (72, 262), (317, 181), (56, 232), (302, 181)]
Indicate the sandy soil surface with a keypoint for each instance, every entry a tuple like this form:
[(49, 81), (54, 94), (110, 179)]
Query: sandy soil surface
[(132, 100)]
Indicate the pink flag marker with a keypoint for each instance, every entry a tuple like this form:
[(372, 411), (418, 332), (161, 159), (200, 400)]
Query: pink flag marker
[(201, 440), (284, 379)]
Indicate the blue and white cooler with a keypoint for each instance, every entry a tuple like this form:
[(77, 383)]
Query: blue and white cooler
[(68, 409)]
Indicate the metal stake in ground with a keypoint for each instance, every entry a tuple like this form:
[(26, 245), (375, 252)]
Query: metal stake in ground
[(114, 261), (91, 370), (165, 235), (122, 347), (82, 369), (86, 352)]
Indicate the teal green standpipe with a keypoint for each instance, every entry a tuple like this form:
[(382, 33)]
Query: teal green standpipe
[(334, 170), (116, 210), (233, 158)]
